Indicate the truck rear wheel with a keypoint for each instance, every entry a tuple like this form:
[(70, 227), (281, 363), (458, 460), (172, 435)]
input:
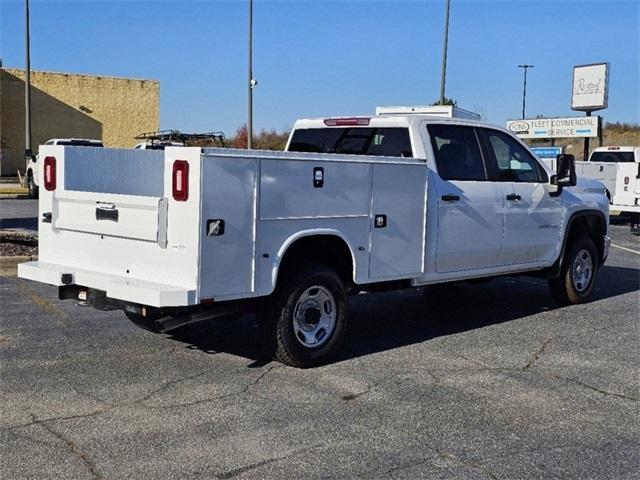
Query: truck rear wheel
[(578, 273), (304, 322)]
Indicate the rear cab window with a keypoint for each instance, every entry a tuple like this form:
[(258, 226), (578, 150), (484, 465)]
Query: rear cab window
[(612, 157), (388, 141)]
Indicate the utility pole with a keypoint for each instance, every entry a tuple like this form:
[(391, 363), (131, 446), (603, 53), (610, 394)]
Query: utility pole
[(251, 81), (27, 87), (585, 152), (444, 52), (524, 88)]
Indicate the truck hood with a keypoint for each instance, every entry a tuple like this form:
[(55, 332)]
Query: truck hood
[(588, 185)]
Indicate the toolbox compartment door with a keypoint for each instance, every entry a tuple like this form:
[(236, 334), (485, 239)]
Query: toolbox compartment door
[(126, 216), (227, 248), (397, 244)]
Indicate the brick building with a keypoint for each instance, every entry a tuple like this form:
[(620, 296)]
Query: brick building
[(65, 105)]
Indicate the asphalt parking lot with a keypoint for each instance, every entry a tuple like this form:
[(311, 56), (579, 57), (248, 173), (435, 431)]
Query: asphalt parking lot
[(490, 381)]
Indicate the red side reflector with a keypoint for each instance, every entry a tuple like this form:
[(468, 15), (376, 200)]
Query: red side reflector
[(50, 173), (180, 180), (343, 122)]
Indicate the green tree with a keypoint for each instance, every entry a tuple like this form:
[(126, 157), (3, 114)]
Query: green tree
[(447, 101)]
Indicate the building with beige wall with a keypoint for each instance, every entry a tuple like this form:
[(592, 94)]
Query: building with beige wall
[(68, 105)]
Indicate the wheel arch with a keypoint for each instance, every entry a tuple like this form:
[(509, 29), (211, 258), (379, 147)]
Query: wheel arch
[(314, 245), (591, 222)]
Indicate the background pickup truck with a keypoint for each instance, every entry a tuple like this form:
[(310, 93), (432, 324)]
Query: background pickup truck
[(356, 204), (618, 168), (31, 170)]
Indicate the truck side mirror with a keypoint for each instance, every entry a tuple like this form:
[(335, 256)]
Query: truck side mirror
[(565, 171)]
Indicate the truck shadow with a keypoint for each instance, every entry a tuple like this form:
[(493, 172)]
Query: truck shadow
[(386, 321)]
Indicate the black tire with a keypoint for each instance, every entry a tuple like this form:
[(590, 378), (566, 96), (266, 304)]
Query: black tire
[(634, 223), (565, 288), (32, 187), (146, 323), (278, 324)]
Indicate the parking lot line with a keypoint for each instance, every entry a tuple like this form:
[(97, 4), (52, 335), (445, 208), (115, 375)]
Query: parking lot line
[(626, 249)]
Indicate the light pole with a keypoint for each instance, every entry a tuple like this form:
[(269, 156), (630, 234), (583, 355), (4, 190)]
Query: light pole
[(251, 81), (444, 52), (524, 88), (27, 86)]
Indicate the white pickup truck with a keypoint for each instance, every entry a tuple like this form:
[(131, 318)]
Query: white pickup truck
[(618, 168), (31, 170), (356, 204)]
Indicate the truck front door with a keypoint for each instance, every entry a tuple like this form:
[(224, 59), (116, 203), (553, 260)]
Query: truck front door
[(533, 216)]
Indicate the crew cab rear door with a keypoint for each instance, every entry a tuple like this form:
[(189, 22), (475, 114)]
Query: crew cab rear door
[(470, 208)]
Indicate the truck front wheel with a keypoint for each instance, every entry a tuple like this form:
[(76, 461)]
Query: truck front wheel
[(304, 322), (578, 273)]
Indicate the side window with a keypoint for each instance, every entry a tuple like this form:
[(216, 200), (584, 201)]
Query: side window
[(457, 152), (514, 163)]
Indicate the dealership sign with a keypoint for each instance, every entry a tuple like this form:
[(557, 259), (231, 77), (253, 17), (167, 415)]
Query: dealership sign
[(546, 152), (569, 127), (590, 89)]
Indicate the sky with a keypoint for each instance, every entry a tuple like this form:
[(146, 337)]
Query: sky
[(316, 58)]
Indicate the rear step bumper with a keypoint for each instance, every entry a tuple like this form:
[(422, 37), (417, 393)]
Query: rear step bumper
[(624, 208), (116, 286)]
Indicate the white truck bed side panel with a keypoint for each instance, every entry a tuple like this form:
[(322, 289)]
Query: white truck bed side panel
[(602, 171), (287, 189), (627, 184), (227, 261), (399, 192), (619, 178)]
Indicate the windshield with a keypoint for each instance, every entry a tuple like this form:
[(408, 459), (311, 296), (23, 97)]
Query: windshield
[(390, 142), (612, 157)]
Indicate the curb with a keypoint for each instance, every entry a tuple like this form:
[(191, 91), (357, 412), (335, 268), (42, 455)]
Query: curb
[(13, 190), (9, 265), (6, 262), (14, 195)]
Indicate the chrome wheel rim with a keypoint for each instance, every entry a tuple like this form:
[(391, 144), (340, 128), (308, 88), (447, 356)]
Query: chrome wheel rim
[(314, 316), (582, 271)]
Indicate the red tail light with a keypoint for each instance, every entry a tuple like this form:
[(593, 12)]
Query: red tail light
[(50, 173), (180, 180)]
